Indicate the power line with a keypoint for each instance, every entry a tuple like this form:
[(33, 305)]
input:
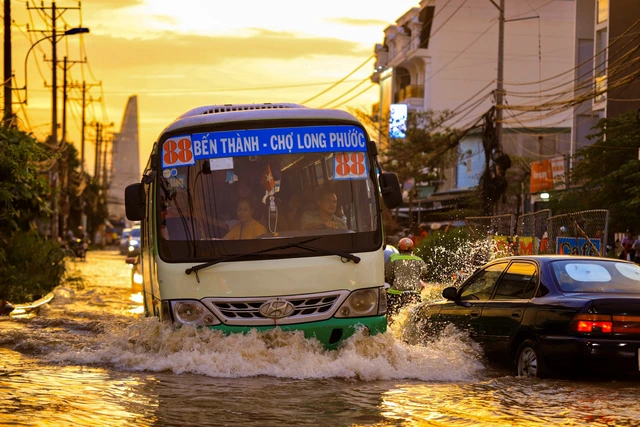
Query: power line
[(339, 81), (374, 54)]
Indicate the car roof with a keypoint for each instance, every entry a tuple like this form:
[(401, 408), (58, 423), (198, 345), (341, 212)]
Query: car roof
[(556, 257)]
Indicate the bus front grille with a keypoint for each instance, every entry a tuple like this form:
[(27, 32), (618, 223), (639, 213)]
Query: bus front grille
[(301, 308)]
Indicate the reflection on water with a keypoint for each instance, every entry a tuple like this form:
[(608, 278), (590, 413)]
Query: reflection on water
[(88, 359)]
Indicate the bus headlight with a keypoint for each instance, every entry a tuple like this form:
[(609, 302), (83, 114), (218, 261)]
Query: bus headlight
[(192, 312), (137, 278), (363, 302)]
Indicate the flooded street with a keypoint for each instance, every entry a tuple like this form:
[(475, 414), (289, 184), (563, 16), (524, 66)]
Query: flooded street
[(90, 358)]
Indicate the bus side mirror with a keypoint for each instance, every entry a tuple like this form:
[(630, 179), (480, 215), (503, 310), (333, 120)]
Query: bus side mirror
[(390, 189), (134, 202)]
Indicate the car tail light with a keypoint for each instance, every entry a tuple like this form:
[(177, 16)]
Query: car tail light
[(626, 324), (592, 323)]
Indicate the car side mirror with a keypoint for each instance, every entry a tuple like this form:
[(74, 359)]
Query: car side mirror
[(450, 293), (134, 202), (390, 189), (131, 260)]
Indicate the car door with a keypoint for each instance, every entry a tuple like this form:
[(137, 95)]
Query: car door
[(464, 313), (503, 313)]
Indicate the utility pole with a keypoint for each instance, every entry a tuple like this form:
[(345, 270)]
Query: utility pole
[(64, 101), (84, 123), (67, 64), (8, 109), (96, 166), (85, 103), (53, 141), (500, 87)]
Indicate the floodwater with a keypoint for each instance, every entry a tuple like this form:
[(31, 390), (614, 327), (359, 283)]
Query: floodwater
[(89, 358)]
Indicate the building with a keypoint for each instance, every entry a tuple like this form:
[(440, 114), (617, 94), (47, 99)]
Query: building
[(443, 55), (126, 161), (606, 63)]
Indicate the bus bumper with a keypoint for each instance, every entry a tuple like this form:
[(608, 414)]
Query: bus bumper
[(329, 332)]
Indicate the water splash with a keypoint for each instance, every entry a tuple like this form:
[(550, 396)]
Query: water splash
[(152, 346)]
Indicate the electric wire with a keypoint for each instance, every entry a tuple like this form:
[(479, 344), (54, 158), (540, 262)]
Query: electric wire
[(374, 55)]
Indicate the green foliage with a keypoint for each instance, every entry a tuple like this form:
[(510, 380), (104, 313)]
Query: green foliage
[(23, 191), (29, 267), (607, 174), (429, 145)]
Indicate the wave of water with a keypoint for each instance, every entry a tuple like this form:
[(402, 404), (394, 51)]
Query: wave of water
[(97, 327)]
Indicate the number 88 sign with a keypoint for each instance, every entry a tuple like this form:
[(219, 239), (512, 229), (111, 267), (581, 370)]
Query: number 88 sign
[(177, 151), (350, 166)]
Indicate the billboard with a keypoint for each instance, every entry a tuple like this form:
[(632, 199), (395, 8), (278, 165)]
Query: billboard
[(547, 174), (398, 121)]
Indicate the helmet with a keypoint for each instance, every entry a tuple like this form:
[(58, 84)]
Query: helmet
[(405, 244)]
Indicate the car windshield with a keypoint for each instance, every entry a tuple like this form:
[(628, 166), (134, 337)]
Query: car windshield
[(225, 206), (135, 233), (597, 276)]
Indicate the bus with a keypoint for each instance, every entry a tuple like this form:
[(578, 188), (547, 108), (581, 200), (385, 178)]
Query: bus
[(265, 216)]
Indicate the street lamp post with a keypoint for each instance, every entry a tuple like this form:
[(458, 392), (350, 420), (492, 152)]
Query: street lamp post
[(72, 31)]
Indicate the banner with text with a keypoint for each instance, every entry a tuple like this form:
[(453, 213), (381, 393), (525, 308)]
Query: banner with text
[(185, 149)]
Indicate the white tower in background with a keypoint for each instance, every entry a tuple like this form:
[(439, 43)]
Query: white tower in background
[(126, 160)]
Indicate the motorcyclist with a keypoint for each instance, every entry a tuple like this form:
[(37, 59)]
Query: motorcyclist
[(404, 272), (77, 244)]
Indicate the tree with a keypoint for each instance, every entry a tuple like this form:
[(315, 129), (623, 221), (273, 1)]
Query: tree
[(606, 174), (23, 190), (29, 265), (429, 145)]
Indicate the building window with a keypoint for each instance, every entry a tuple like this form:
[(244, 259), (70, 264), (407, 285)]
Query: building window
[(601, 64), (603, 10)]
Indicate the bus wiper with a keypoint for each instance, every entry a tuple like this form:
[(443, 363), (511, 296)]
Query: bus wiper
[(347, 255), (198, 267)]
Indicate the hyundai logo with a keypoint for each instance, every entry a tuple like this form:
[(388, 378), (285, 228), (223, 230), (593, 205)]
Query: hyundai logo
[(276, 309)]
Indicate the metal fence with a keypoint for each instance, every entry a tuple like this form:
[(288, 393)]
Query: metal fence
[(531, 232), (496, 231), (481, 227), (578, 233)]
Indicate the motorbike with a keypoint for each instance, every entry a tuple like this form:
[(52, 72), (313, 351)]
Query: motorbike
[(77, 248)]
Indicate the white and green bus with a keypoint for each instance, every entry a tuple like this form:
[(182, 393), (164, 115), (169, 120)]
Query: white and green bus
[(261, 216)]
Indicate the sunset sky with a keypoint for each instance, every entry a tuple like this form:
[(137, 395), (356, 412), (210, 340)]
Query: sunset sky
[(178, 55)]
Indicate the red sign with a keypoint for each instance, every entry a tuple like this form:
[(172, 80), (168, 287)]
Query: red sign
[(541, 176)]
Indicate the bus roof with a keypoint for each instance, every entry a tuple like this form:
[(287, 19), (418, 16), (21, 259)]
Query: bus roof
[(249, 112)]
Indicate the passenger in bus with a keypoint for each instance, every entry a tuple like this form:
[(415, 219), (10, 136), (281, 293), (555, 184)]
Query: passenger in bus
[(247, 228), (324, 216), (289, 218), (246, 190)]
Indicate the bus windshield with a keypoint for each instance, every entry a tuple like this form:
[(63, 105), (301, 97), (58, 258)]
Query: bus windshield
[(221, 205)]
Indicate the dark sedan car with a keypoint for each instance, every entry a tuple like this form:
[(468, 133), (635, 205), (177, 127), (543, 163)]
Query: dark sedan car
[(547, 314)]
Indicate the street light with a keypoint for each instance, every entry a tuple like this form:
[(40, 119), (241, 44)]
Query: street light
[(70, 32)]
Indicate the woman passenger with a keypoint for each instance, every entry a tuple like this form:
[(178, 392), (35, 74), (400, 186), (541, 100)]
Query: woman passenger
[(247, 228)]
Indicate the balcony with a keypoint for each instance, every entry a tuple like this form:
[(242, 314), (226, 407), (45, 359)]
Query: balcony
[(410, 92)]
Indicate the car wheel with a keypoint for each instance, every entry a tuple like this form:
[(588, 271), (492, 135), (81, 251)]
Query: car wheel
[(530, 361)]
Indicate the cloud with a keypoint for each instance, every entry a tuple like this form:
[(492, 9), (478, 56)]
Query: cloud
[(358, 22), (112, 4), (187, 50)]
